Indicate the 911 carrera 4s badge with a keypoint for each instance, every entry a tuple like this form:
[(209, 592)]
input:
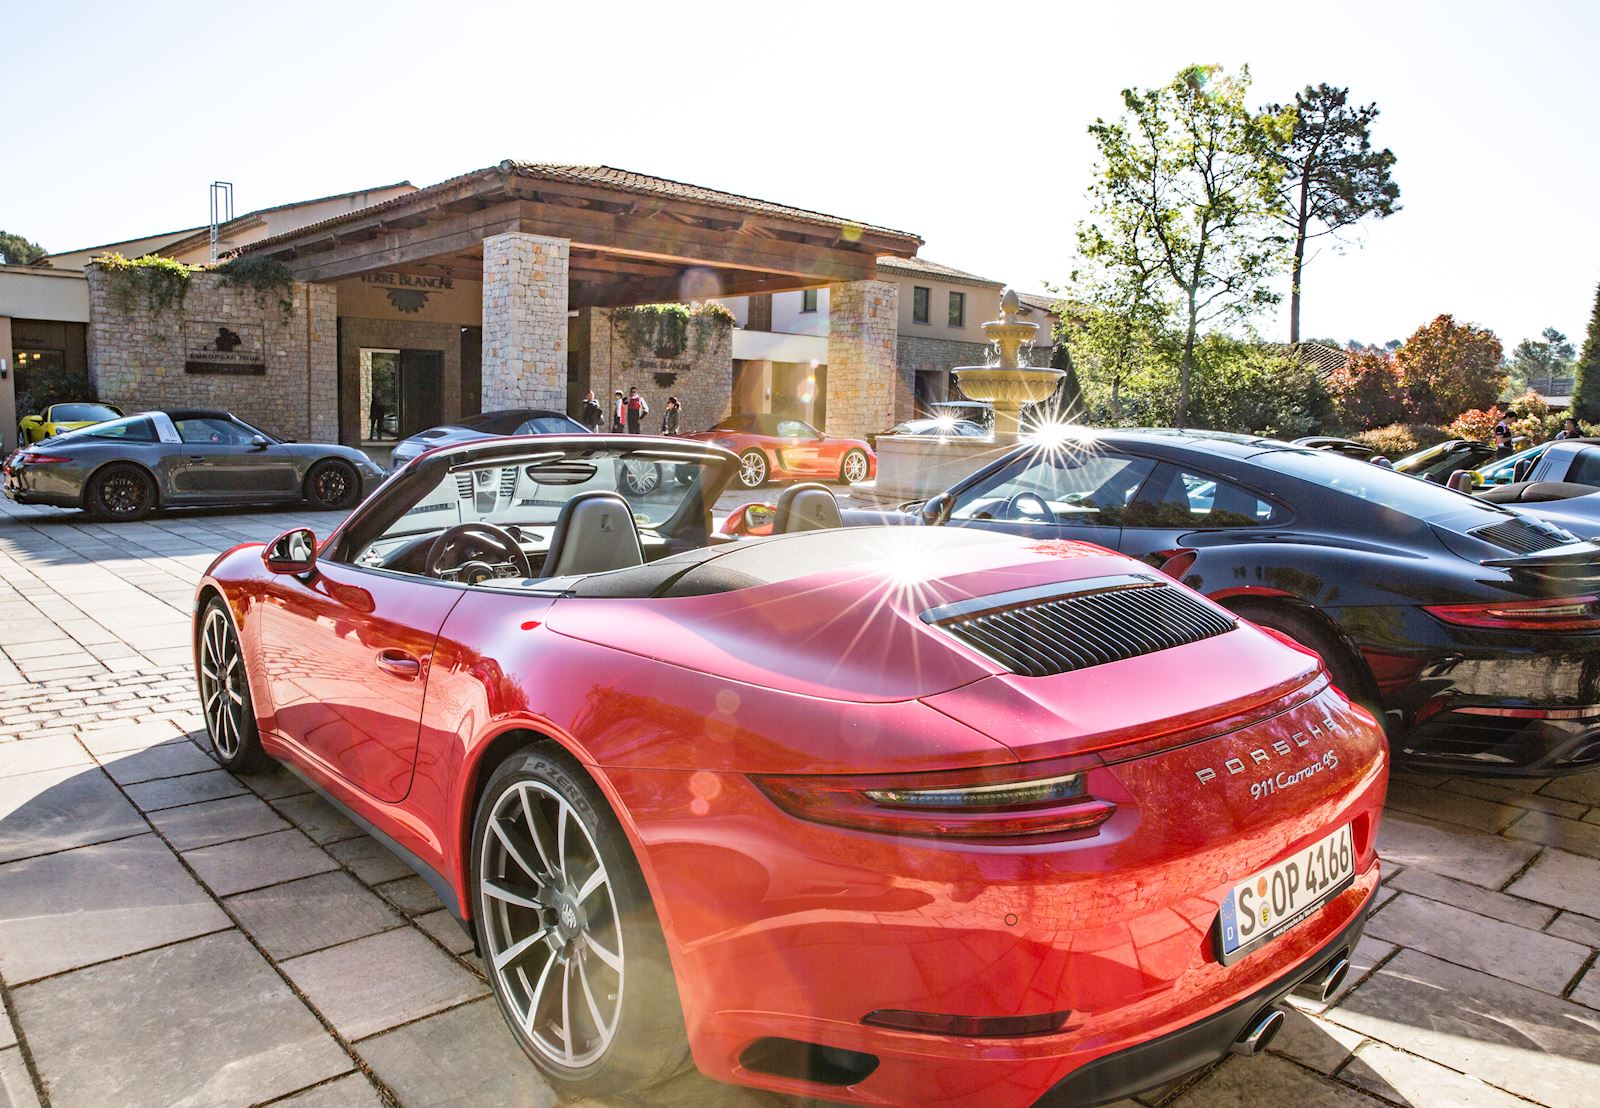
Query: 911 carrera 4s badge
[(1281, 896), (1320, 729)]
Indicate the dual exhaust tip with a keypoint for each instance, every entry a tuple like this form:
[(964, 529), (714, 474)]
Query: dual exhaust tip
[(1321, 986)]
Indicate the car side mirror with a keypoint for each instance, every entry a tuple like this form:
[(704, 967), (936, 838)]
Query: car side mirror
[(293, 552), (258, 442), (1520, 471), (936, 510)]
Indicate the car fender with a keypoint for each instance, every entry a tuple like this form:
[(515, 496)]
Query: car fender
[(88, 478)]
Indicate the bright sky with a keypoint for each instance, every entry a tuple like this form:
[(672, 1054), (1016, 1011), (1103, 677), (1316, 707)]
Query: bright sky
[(962, 123)]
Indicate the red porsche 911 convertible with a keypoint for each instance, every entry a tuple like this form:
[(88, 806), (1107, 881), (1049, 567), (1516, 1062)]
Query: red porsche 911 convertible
[(778, 448), (881, 816)]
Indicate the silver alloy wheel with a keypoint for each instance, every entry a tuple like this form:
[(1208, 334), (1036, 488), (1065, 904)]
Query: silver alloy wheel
[(550, 912), (752, 470), (641, 478), (855, 466), (222, 683)]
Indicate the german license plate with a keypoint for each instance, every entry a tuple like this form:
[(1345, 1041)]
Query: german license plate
[(1280, 896)]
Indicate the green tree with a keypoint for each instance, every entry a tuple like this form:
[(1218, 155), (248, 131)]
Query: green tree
[(1586, 389), (1538, 363), (1186, 205), (16, 250), (1332, 177)]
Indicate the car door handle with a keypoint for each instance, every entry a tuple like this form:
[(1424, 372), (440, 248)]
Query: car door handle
[(399, 663), (197, 457)]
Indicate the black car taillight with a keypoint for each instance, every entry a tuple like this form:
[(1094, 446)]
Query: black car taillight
[(1566, 613)]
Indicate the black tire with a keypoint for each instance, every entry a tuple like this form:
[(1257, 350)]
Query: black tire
[(225, 692), (333, 485), (1350, 674), (854, 462), (752, 469), (647, 1040), (121, 492)]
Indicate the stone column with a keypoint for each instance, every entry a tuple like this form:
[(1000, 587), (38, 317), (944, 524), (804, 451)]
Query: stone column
[(863, 328), (8, 391), (525, 322)]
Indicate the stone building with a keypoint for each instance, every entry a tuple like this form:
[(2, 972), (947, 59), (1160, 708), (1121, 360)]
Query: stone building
[(405, 307)]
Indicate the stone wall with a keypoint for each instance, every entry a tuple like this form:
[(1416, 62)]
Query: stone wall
[(525, 321), (701, 377), (865, 390), (138, 354), (393, 334)]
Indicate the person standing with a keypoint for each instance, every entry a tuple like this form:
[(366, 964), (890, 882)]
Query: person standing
[(1503, 447), (619, 411), (670, 417), (590, 413), (637, 409), (1569, 429), (377, 412)]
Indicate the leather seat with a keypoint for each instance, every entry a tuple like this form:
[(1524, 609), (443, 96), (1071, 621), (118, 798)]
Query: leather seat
[(806, 507), (595, 532)]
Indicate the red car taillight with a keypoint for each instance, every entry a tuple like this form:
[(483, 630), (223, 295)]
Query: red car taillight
[(1046, 798), (42, 459), (1566, 613)]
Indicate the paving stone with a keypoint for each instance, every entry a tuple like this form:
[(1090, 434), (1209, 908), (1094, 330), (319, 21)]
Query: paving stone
[(255, 863), (373, 984), (16, 1086), (8, 1034), (1314, 1041), (1479, 859), (1519, 797), (1450, 807), (1580, 929), (1568, 834), (414, 895), (1530, 958), (464, 1056), (1269, 1080), (61, 808), (1568, 881), (205, 1022), (369, 860), (274, 782), (317, 818), (1515, 1038), (34, 755), (314, 912), (1587, 991), (113, 738), (1482, 901), (351, 1091), (443, 926), (172, 759), (1582, 788), (1406, 1079), (81, 906), (170, 792), (216, 821)]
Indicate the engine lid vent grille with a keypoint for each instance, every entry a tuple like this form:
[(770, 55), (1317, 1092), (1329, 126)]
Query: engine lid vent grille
[(1524, 537), (1056, 629)]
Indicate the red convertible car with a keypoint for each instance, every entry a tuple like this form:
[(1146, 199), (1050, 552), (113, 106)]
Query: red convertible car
[(880, 816), (777, 448)]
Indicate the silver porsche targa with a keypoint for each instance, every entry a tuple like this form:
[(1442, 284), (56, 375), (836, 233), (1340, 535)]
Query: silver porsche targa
[(125, 468)]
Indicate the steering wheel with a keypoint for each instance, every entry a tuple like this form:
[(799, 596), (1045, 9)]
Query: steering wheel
[(449, 542), (1014, 507)]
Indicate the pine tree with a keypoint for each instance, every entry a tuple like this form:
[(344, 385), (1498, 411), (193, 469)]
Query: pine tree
[(1586, 386)]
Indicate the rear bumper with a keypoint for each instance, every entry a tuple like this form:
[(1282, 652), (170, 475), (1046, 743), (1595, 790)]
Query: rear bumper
[(1159, 1061)]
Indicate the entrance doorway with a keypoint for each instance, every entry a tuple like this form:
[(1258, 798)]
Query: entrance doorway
[(402, 392)]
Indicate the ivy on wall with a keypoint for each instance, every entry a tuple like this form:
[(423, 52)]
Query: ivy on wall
[(667, 330), (159, 284)]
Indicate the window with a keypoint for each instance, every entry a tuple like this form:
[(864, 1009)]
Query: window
[(958, 309), (54, 361), (1086, 490), (208, 429), (919, 303), (1585, 468), (1177, 498), (131, 429), (796, 429), (808, 300)]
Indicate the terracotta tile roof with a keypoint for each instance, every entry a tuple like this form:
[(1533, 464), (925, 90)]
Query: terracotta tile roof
[(624, 180), (1325, 358), (599, 176), (922, 267), (1040, 301)]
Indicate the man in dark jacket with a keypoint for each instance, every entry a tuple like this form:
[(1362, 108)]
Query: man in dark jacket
[(590, 413)]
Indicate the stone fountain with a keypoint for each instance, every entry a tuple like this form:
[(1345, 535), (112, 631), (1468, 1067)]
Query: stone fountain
[(1009, 385), (915, 467)]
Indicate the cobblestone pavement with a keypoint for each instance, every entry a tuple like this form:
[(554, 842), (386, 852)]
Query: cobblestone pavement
[(171, 933)]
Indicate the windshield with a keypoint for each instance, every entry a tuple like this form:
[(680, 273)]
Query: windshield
[(1377, 485), (82, 413), (527, 492), (1499, 472)]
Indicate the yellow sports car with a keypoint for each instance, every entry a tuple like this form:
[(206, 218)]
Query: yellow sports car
[(63, 417)]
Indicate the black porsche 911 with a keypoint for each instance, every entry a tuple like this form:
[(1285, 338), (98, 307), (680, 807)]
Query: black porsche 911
[(1472, 630), (125, 468)]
